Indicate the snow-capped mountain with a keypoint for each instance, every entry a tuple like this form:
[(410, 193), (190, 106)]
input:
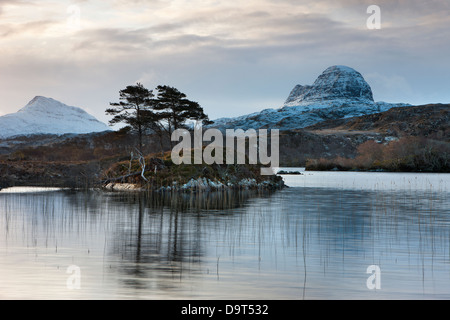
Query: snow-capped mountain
[(339, 92), (48, 116)]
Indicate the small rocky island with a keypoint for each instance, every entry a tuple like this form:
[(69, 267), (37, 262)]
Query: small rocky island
[(162, 175)]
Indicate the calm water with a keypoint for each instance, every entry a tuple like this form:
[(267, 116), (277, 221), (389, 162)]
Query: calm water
[(314, 240)]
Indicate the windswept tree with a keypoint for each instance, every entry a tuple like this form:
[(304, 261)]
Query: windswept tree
[(134, 109), (174, 109), (142, 112)]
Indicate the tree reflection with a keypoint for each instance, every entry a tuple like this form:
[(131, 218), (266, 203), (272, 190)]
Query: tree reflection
[(298, 242), (163, 237)]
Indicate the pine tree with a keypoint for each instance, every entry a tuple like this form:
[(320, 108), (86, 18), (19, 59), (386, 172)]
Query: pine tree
[(175, 109), (134, 109)]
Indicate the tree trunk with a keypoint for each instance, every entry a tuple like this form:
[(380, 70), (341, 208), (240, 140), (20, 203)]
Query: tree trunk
[(139, 123)]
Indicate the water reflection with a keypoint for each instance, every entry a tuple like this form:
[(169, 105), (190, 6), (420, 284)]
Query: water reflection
[(344, 231), (146, 241), (166, 240), (298, 243)]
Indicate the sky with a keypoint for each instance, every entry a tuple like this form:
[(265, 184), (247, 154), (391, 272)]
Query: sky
[(233, 57)]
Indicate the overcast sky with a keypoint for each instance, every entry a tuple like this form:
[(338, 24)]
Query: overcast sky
[(233, 57)]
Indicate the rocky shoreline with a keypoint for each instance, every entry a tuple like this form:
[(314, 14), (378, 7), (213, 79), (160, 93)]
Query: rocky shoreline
[(162, 175), (167, 179), (201, 185)]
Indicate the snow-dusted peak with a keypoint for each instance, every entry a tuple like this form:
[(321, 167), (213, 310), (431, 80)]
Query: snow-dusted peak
[(336, 83), (339, 92), (48, 116), (38, 102), (340, 68), (49, 105)]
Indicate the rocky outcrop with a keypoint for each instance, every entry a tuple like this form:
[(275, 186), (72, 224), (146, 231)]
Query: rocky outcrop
[(187, 177), (334, 84), (122, 187), (298, 92), (204, 184)]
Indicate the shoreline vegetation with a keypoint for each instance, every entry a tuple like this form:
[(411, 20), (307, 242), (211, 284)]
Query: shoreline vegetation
[(408, 154)]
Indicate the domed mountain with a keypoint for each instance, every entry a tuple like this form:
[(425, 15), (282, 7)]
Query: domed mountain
[(339, 92), (335, 83), (47, 116)]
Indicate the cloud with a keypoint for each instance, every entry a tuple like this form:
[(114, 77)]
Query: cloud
[(33, 28), (110, 40), (4, 3), (234, 55)]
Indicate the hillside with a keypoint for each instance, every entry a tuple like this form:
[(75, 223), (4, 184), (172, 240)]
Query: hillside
[(61, 160), (432, 121), (402, 139)]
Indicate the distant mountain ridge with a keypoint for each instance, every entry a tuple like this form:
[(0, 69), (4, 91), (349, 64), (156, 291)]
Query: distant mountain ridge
[(339, 92), (47, 116)]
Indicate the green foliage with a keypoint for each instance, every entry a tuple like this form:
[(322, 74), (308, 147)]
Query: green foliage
[(175, 108), (134, 100), (161, 115), (134, 109)]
